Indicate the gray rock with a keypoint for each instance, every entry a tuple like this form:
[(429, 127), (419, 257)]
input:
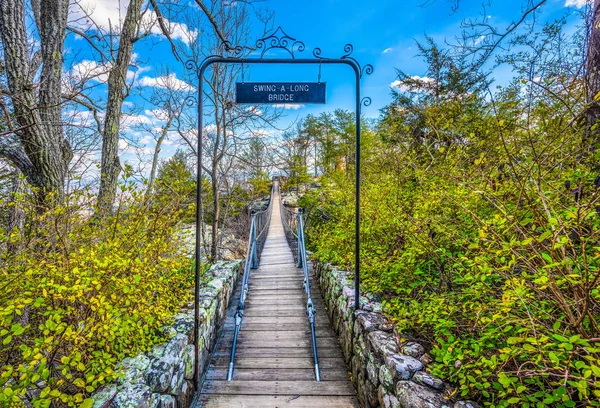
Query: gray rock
[(381, 343), (103, 397), (466, 404), (403, 367), (155, 400), (156, 352), (387, 399), (372, 371), (176, 346), (188, 362), (141, 362), (132, 369), (177, 380), (217, 284), (167, 401), (413, 349), (412, 395), (373, 321), (160, 373), (386, 377), (426, 359), (133, 396), (423, 378), (184, 399), (184, 324)]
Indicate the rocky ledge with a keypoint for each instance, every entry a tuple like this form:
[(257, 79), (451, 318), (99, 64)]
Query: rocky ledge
[(386, 372), (162, 377)]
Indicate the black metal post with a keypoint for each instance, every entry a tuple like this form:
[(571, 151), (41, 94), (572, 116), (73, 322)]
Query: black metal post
[(357, 202)]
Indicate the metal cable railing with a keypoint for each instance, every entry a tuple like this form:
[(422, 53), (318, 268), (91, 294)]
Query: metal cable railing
[(259, 227), (294, 220)]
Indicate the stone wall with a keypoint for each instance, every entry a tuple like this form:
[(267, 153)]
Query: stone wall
[(386, 372), (162, 377)]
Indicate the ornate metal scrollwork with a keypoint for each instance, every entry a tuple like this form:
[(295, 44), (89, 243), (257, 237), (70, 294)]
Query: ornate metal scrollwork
[(191, 65), (280, 40), (190, 100), (366, 101)]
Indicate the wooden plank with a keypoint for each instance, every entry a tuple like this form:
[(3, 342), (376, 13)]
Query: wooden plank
[(283, 362), (274, 352), (276, 401), (275, 374), (272, 334), (268, 327), (286, 342), (278, 387)]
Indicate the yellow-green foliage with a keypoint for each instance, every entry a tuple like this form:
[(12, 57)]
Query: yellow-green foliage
[(81, 294), (481, 227)]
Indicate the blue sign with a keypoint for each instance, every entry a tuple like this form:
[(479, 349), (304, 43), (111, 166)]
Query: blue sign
[(280, 92)]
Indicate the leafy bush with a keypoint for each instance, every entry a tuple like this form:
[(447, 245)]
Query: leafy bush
[(481, 227), (80, 294)]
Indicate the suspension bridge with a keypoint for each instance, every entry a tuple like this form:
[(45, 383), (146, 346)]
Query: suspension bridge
[(276, 347)]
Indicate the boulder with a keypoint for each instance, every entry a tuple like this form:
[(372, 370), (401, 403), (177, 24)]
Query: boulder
[(167, 401), (413, 349), (402, 367), (184, 399), (423, 378), (412, 395), (133, 396), (160, 373), (369, 322), (387, 399), (381, 343), (104, 396)]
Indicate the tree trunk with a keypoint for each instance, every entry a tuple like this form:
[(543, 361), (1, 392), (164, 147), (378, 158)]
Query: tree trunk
[(44, 154), (157, 149), (110, 164), (16, 213), (592, 135), (215, 224)]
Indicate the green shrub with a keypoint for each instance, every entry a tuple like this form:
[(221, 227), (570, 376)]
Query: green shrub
[(81, 294), (481, 228)]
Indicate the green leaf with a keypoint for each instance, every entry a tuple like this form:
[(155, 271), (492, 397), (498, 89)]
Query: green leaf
[(87, 403)]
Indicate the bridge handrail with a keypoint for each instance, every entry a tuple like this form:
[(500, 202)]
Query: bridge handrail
[(295, 219), (256, 241)]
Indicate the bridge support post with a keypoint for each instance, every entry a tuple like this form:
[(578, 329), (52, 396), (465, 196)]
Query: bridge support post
[(254, 251)]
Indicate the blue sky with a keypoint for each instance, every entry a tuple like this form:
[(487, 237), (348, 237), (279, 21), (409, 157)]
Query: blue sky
[(383, 33)]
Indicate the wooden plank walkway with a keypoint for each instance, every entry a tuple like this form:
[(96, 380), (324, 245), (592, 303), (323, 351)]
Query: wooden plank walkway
[(274, 365)]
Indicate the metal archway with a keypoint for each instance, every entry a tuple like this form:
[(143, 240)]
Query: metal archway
[(277, 40)]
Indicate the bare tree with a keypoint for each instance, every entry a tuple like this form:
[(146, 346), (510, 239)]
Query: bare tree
[(111, 167), (39, 150)]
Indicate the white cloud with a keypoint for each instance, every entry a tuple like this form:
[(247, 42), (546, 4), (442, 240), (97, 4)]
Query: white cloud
[(177, 31), (90, 14), (479, 40), (420, 81), (86, 69), (166, 81), (577, 3), (92, 70), (288, 106), (254, 110), (387, 50)]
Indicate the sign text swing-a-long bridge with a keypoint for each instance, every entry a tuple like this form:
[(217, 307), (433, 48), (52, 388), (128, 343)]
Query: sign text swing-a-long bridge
[(276, 347)]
